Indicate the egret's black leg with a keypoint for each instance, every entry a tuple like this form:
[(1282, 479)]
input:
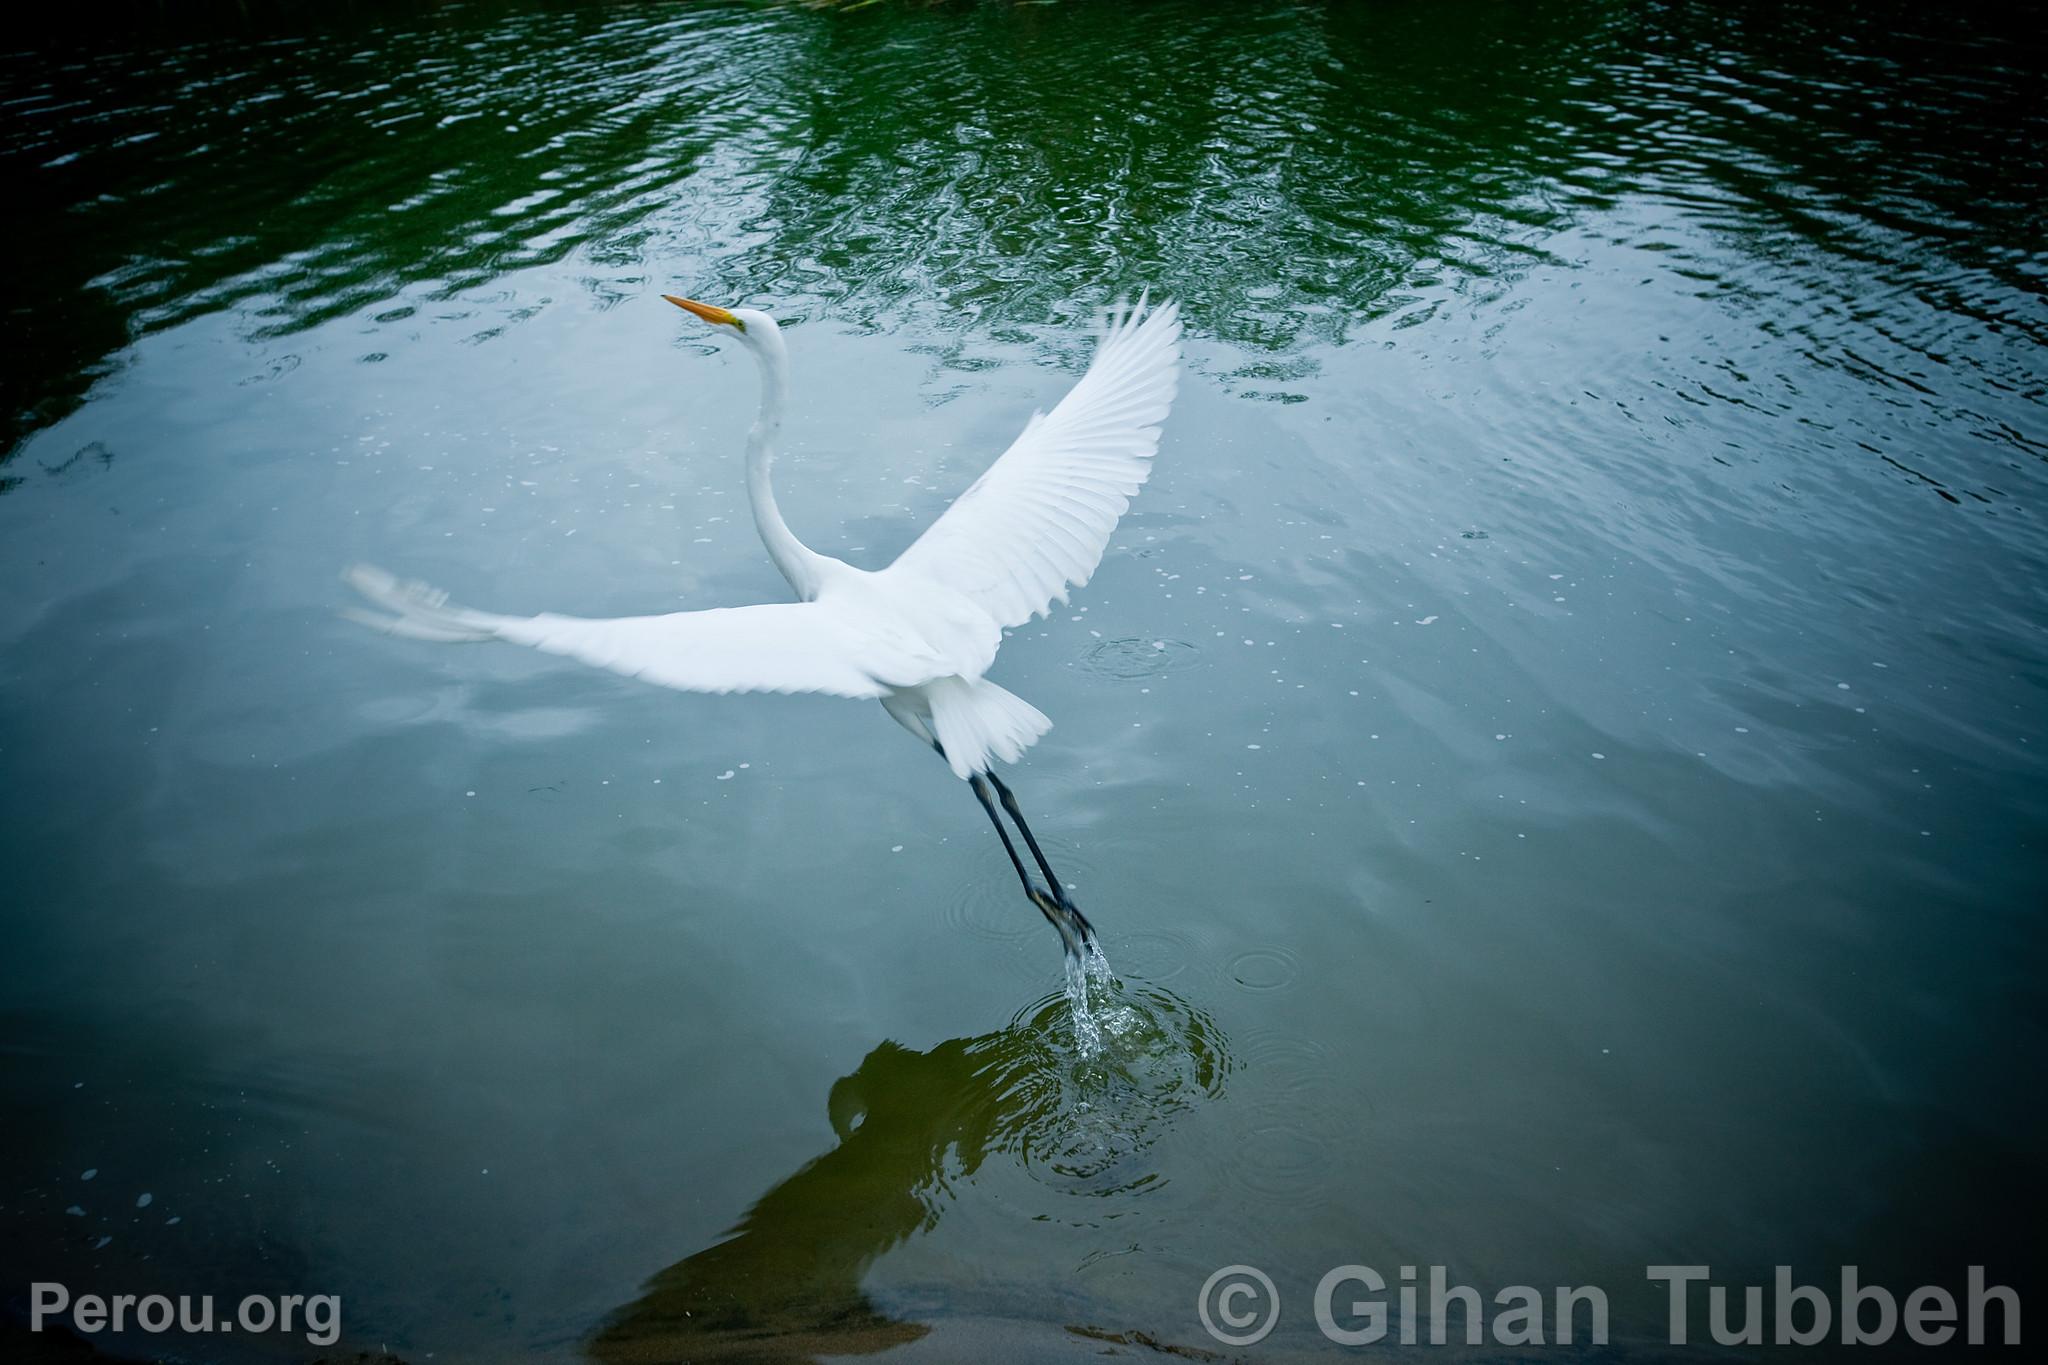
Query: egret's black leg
[(1059, 912), (981, 794), (1010, 804), (1059, 890), (1062, 916)]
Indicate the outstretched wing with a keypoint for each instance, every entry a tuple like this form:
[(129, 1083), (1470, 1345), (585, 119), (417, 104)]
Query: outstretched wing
[(1040, 517), (777, 647)]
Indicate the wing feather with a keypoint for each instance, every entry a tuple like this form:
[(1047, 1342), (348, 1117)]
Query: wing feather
[(1038, 521), (775, 647)]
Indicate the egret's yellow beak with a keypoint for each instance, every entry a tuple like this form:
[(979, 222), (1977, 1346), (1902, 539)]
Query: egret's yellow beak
[(710, 312)]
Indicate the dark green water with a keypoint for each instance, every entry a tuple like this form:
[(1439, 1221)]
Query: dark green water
[(1556, 752)]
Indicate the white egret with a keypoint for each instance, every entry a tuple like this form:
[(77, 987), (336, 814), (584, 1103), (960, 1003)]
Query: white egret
[(918, 636)]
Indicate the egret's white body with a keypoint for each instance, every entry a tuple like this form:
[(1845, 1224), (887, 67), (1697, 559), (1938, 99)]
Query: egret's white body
[(919, 635)]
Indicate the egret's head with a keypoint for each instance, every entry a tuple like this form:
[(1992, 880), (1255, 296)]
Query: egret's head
[(751, 325)]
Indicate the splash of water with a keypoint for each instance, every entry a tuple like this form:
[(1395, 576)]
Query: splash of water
[(1090, 986), (1103, 1066)]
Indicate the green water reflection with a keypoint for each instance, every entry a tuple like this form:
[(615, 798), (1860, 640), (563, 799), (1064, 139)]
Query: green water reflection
[(786, 1281)]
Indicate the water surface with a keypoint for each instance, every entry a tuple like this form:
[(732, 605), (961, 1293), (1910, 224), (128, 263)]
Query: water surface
[(1554, 753)]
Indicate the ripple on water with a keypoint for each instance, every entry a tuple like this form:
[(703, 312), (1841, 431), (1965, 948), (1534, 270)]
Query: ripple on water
[(1156, 955), (992, 907), (1295, 1075), (1294, 1072), (1264, 969), (1093, 1117), (1279, 1053), (1286, 1160), (1138, 658)]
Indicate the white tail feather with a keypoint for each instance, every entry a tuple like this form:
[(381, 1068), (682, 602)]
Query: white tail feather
[(978, 723)]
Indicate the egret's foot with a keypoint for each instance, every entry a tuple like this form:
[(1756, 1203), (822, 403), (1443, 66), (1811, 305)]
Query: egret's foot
[(1072, 928), (1080, 920), (1063, 915)]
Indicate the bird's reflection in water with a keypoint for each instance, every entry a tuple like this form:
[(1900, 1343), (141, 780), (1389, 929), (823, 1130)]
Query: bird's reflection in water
[(785, 1285)]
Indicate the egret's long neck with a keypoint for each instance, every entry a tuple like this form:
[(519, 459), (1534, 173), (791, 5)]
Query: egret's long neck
[(798, 563)]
